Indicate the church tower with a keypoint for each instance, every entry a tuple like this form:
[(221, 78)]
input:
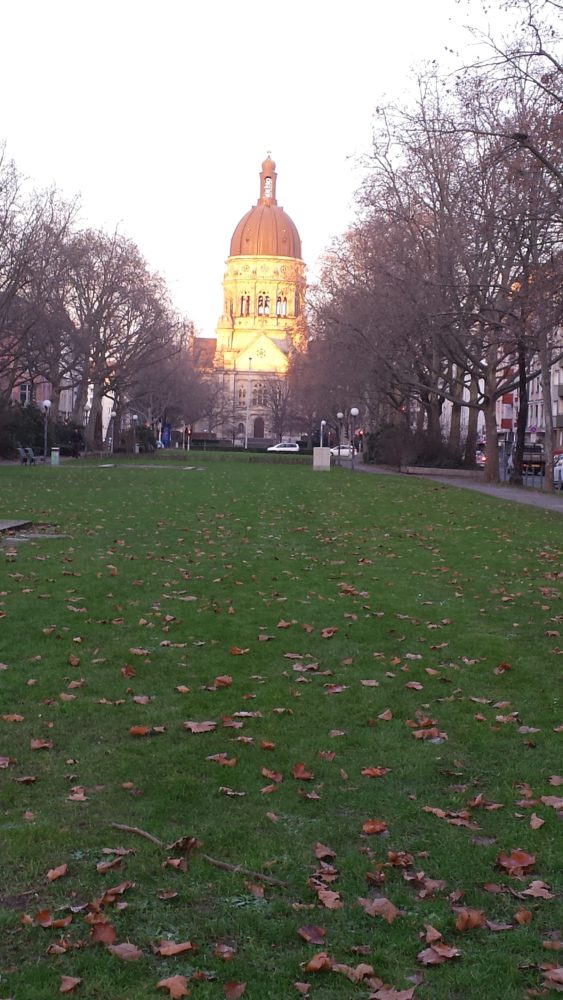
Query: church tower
[(264, 290)]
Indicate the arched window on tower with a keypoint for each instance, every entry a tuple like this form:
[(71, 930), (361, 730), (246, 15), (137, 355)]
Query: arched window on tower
[(245, 304), (284, 306), (297, 304), (266, 305), (279, 305), (242, 395), (261, 304)]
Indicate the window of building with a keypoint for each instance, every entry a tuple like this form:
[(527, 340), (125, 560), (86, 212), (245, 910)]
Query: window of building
[(242, 394), (26, 392), (297, 304), (261, 304), (258, 394), (266, 305), (245, 304)]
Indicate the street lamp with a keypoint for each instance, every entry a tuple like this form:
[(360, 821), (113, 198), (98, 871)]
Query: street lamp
[(340, 418), (323, 425), (46, 407), (247, 405), (113, 415), (135, 419), (354, 412)]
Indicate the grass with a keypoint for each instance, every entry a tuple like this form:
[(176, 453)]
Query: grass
[(162, 575)]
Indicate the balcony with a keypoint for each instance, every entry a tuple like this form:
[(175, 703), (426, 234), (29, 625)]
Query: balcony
[(560, 390)]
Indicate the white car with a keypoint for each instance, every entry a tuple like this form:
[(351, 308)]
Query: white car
[(558, 472), (285, 446), (345, 451)]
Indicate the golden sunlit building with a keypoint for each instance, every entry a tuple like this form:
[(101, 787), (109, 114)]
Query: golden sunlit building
[(262, 320)]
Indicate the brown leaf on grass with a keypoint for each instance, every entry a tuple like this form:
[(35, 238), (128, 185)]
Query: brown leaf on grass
[(302, 988), (386, 716), (38, 744), (54, 873), (312, 934), (523, 916), (555, 801), (177, 987), (127, 952), (536, 822), (373, 826), (237, 651), (556, 780), (200, 727), (327, 633), (301, 773), (380, 907), (221, 758), (139, 730), (69, 984), (275, 776), (467, 919), (225, 952), (538, 890), (322, 851), (232, 793), (169, 948), (26, 779), (388, 993), (283, 624), (517, 863), (369, 682), (319, 962), (438, 953), (375, 772), (234, 990), (12, 717), (553, 978), (44, 918), (103, 933), (331, 900)]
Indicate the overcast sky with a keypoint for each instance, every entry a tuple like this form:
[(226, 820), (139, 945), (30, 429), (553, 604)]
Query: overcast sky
[(159, 114)]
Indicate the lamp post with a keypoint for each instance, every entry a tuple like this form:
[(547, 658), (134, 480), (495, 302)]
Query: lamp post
[(113, 415), (340, 418), (247, 405), (46, 407), (323, 425), (135, 419), (354, 412)]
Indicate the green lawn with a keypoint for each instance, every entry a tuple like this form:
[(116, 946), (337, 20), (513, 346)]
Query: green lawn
[(325, 624)]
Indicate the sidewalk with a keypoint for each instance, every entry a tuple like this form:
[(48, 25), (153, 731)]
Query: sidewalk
[(518, 494)]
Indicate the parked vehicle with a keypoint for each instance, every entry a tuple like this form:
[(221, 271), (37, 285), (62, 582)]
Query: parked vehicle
[(558, 473), (285, 446), (345, 451), (480, 459)]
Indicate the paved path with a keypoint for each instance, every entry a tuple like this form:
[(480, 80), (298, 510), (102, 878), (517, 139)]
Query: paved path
[(518, 494), (13, 525)]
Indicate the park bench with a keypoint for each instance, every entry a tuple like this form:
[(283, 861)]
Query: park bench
[(26, 456)]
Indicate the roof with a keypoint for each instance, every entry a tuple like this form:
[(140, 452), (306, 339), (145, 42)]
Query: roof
[(266, 230)]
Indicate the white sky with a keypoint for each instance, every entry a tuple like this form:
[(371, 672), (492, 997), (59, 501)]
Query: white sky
[(159, 114)]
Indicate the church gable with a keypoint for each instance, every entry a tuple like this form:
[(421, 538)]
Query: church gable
[(262, 355)]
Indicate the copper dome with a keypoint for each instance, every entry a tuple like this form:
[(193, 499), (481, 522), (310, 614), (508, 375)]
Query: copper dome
[(266, 230)]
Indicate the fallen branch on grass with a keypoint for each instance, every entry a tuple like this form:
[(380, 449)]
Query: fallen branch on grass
[(223, 865)]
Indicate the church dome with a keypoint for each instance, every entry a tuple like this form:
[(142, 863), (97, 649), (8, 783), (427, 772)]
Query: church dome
[(266, 230)]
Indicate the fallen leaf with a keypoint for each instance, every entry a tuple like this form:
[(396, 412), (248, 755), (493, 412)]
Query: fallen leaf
[(301, 773), (200, 727), (372, 826), (54, 873), (233, 990), (69, 983), (168, 948), (375, 772), (177, 987), (312, 934), (126, 951), (380, 907), (103, 933), (467, 919)]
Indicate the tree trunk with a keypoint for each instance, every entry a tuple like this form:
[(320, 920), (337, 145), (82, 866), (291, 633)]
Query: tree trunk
[(547, 411), (472, 421), (522, 416), (489, 411)]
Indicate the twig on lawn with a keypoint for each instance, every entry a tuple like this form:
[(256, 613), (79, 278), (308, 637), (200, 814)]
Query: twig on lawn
[(243, 871), (140, 833)]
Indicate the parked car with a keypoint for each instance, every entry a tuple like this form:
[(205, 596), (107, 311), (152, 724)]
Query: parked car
[(285, 446), (558, 473), (345, 451), (480, 459)]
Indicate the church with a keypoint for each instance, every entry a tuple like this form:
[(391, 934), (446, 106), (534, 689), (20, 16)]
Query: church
[(262, 322)]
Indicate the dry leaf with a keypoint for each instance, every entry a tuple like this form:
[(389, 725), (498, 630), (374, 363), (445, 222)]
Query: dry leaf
[(69, 984), (234, 990), (126, 951), (177, 987), (54, 873)]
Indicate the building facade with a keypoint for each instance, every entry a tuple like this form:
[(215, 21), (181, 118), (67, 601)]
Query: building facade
[(262, 321)]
